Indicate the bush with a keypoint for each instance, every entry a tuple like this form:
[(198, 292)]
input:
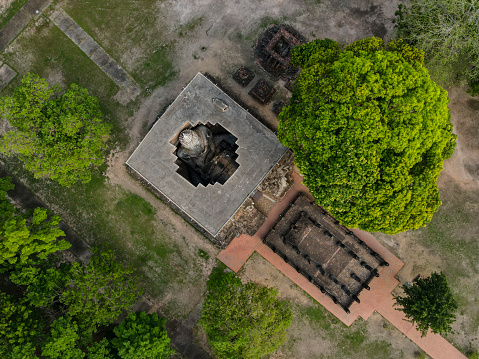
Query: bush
[(430, 304), (242, 320), (142, 336)]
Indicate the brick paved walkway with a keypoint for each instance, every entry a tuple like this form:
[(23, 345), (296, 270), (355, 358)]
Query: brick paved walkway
[(378, 299), (96, 53)]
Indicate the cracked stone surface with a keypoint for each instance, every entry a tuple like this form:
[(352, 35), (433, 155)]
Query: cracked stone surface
[(211, 206)]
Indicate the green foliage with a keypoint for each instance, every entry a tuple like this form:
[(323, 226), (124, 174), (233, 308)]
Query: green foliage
[(63, 340), (473, 355), (430, 304), (98, 293), (22, 351), (43, 282), (242, 320), (99, 350), (19, 324), (142, 335), (408, 52), (57, 136), (448, 33), (314, 52), (370, 132), (25, 236)]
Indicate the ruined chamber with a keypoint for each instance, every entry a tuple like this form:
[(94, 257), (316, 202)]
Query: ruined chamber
[(328, 254), (205, 156)]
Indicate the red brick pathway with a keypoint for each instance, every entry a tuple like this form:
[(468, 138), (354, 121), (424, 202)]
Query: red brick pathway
[(378, 299)]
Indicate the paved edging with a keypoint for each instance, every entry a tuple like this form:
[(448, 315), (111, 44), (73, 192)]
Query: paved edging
[(7, 74), (95, 52), (378, 299), (433, 344), (21, 19)]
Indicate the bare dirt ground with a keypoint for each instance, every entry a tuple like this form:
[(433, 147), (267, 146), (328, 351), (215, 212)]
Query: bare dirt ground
[(217, 37), (222, 42), (4, 4)]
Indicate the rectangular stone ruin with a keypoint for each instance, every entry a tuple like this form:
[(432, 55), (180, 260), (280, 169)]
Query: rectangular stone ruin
[(262, 92), (273, 50), (243, 76), (279, 47), (328, 254)]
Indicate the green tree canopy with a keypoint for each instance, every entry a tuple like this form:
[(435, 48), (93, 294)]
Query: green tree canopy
[(63, 340), (19, 323), (142, 335), (99, 292), (57, 136), (243, 321), (25, 236), (430, 304), (447, 31), (370, 132)]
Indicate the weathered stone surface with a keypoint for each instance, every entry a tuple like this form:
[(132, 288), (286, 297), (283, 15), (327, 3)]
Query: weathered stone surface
[(6, 75), (278, 181), (328, 254), (88, 45), (130, 89), (212, 206), (75, 33)]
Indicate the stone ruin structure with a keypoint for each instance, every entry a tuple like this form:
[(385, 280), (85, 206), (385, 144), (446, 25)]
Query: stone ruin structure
[(205, 157), (273, 51), (328, 254)]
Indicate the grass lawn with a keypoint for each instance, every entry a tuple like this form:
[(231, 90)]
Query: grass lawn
[(105, 215), (348, 342), (43, 49), (10, 11), (109, 217), (130, 31)]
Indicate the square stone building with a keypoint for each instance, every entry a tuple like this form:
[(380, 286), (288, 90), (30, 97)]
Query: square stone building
[(208, 206)]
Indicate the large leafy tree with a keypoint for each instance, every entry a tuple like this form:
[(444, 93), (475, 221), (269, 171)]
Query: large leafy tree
[(99, 292), (447, 31), (370, 131), (57, 136), (430, 304), (243, 320), (19, 322), (142, 335), (82, 298), (26, 236), (63, 340)]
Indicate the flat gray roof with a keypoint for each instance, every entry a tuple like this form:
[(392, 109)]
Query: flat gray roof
[(211, 206)]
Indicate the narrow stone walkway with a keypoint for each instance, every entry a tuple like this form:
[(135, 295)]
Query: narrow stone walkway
[(23, 197), (97, 54), (18, 22), (7, 74), (378, 299)]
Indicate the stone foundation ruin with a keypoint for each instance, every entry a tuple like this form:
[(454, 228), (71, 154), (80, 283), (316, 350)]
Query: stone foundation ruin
[(328, 254), (273, 51), (241, 150)]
